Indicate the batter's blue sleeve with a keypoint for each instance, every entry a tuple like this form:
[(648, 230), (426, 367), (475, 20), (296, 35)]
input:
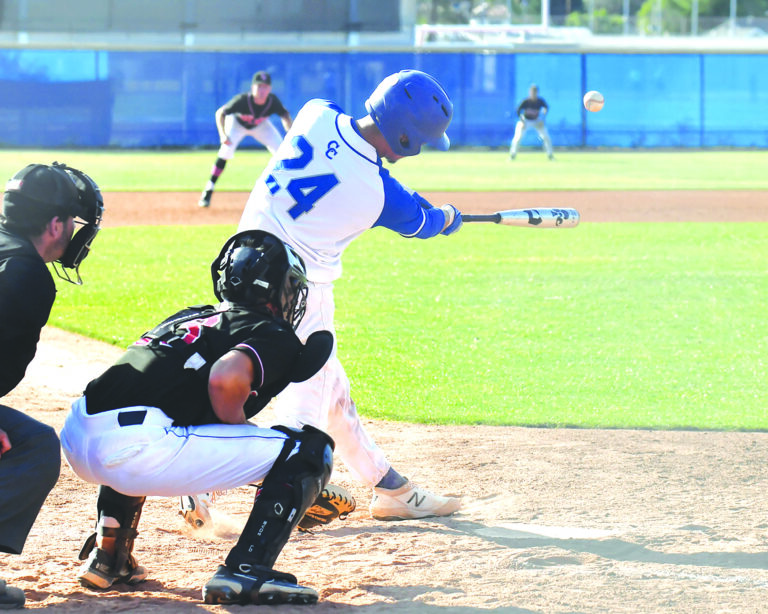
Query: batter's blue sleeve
[(407, 212)]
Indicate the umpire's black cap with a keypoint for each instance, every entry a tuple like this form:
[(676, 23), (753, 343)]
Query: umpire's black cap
[(37, 193)]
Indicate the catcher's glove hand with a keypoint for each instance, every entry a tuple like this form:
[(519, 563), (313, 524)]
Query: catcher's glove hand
[(333, 502)]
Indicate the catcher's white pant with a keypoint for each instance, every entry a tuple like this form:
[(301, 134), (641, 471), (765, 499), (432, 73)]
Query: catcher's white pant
[(157, 459), (324, 401), (522, 126), (265, 133)]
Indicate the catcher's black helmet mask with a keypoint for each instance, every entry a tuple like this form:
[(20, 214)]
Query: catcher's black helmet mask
[(256, 269)]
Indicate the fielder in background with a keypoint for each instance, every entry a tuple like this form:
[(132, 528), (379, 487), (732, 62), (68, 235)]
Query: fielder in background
[(531, 115), (171, 417), (324, 187), (247, 114), (37, 225)]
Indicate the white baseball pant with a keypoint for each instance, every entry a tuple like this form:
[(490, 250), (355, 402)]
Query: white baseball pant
[(324, 400), (154, 458), (265, 133), (522, 126)]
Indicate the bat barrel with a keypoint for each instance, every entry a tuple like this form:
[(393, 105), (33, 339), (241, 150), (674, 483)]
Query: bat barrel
[(543, 217)]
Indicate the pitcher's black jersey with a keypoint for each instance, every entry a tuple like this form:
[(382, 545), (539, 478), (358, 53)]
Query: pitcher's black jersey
[(168, 367), (250, 114), (531, 109)]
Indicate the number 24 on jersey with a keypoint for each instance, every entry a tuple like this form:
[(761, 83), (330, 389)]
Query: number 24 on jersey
[(306, 190)]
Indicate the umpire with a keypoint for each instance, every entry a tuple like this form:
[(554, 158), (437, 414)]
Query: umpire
[(37, 226)]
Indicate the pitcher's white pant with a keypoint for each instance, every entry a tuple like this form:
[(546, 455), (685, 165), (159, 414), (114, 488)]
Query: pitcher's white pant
[(155, 458), (265, 133), (324, 401), (522, 126)]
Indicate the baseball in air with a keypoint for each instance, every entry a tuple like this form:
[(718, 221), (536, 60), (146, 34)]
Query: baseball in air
[(593, 101)]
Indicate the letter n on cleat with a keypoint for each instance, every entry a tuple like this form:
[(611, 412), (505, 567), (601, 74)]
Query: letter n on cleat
[(417, 502)]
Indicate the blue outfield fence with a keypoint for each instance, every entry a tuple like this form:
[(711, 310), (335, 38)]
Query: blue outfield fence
[(137, 99)]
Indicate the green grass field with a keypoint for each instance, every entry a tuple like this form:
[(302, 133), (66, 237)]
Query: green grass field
[(432, 171), (605, 325)]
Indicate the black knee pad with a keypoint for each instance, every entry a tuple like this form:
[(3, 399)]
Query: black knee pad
[(297, 477), (314, 453)]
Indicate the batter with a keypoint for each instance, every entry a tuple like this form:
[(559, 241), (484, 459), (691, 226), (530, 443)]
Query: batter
[(324, 187)]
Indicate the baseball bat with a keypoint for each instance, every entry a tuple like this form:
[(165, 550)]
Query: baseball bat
[(536, 218)]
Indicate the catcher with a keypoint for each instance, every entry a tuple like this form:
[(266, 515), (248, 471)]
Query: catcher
[(171, 417)]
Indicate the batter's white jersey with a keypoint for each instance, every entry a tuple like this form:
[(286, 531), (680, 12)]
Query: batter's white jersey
[(325, 186)]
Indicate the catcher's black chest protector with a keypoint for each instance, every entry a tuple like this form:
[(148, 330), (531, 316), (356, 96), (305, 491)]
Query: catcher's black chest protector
[(169, 366)]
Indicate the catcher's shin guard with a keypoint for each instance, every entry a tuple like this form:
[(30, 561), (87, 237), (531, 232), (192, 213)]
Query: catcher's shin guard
[(297, 477), (108, 552)]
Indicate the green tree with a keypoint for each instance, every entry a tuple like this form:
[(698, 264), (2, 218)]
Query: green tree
[(606, 16), (674, 16), (439, 12), (601, 21)]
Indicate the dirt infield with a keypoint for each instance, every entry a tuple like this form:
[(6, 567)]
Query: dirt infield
[(137, 208), (553, 520)]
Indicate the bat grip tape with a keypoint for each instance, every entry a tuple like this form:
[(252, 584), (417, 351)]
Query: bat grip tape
[(490, 217)]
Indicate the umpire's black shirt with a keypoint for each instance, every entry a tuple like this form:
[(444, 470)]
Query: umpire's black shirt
[(27, 292)]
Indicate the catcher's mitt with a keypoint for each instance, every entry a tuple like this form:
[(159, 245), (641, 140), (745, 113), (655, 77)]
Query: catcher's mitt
[(333, 502)]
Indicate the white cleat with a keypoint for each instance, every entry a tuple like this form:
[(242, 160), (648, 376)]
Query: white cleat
[(194, 509), (410, 501)]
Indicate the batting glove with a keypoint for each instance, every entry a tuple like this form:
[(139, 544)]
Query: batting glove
[(456, 221)]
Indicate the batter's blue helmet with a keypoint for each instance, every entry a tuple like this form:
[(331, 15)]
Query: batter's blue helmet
[(411, 109)]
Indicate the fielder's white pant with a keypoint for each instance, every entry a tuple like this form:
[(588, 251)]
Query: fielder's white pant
[(265, 133), (155, 458), (324, 400), (523, 126)]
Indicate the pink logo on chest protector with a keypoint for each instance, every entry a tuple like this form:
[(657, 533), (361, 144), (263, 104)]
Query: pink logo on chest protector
[(194, 328)]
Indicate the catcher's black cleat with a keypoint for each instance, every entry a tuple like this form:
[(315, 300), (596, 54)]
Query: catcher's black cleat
[(260, 586)]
